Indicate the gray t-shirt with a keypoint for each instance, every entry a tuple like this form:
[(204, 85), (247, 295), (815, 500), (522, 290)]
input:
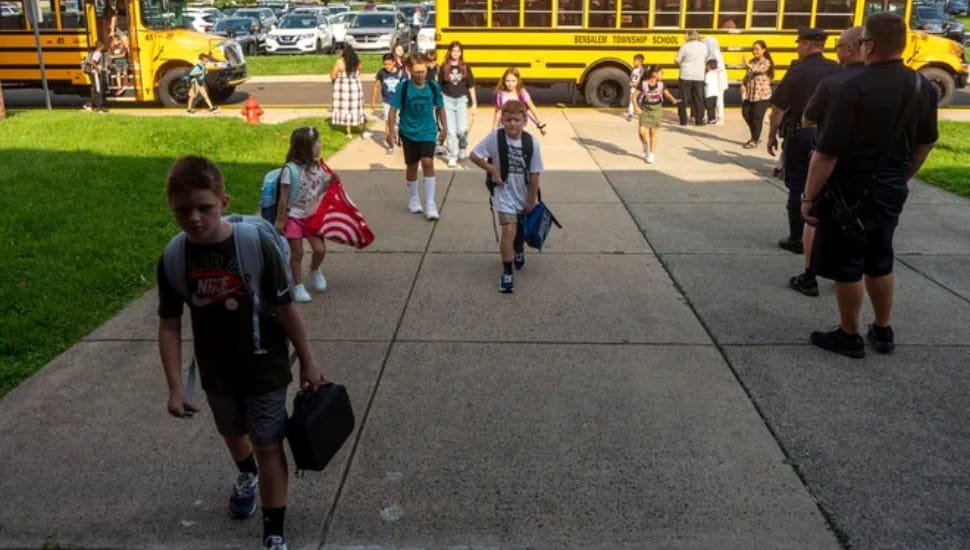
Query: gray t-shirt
[(510, 198)]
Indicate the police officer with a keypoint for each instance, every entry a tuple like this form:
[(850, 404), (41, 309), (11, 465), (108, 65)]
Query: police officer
[(879, 128), (787, 104), (849, 51)]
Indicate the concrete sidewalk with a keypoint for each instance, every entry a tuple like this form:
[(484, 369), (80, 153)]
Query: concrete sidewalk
[(649, 384)]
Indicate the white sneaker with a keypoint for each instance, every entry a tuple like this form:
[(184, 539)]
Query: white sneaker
[(414, 205), (318, 281), (366, 134), (462, 154), (650, 158), (300, 295), (452, 163), (432, 211)]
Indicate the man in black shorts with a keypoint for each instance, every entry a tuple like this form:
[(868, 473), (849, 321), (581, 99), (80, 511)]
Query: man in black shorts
[(879, 128), (419, 102)]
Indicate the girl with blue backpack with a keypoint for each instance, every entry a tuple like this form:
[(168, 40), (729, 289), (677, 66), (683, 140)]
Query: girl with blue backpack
[(295, 209)]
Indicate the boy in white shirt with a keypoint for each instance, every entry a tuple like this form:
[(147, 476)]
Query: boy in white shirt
[(636, 76), (711, 90), (516, 191)]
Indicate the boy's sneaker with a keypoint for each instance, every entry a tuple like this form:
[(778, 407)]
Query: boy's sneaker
[(190, 111), (881, 338), (214, 110), (414, 205), (650, 158), (462, 154), (242, 501), (274, 542), (318, 281), (366, 134), (506, 283), (300, 295), (389, 149), (87, 107), (519, 260), (849, 345), (432, 211), (805, 283), (452, 163)]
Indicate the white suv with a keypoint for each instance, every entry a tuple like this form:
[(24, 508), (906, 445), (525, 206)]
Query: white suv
[(301, 33)]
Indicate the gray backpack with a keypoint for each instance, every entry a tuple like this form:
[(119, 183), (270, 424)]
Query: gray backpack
[(249, 255)]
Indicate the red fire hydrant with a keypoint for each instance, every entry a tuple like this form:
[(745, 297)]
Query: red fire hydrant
[(252, 111)]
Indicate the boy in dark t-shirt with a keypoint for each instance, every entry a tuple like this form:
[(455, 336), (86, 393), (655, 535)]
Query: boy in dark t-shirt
[(245, 388), (386, 82)]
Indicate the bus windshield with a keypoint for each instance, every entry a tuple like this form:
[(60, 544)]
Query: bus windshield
[(163, 14)]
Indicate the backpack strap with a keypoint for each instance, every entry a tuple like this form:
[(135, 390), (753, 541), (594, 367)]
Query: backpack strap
[(528, 147), (173, 264), (503, 154), (249, 256), (404, 92)]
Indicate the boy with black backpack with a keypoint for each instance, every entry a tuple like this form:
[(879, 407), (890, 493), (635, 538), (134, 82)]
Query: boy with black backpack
[(232, 273), (511, 158), (95, 66)]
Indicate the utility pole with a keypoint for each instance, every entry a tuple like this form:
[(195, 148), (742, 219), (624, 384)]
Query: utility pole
[(36, 18)]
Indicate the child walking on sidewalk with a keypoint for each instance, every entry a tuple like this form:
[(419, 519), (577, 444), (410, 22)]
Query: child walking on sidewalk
[(512, 159), (649, 106), (636, 75), (243, 364), (711, 90), (294, 211)]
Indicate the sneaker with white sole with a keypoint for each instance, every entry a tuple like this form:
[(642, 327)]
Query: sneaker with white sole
[(274, 542), (366, 134), (650, 158), (389, 150), (300, 295), (318, 281), (242, 501), (452, 163), (431, 210), (519, 260), (506, 283), (414, 205)]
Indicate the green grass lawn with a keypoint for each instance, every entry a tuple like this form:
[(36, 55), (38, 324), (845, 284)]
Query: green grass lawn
[(85, 217), (275, 65), (948, 166)]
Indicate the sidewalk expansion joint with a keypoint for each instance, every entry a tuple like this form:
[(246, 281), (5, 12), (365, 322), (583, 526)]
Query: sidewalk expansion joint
[(826, 515), (901, 258), (328, 519)]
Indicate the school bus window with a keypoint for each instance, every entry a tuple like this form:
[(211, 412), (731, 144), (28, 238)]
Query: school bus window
[(602, 13), (764, 14), (634, 14), (666, 13), (466, 14), (505, 13), (731, 14), (12, 16), (700, 14), (570, 13), (71, 17), (798, 13), (835, 14), (883, 5), (538, 13)]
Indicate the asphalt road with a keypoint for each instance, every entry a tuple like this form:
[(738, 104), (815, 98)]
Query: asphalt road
[(318, 93)]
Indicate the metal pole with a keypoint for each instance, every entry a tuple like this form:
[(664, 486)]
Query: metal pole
[(33, 9)]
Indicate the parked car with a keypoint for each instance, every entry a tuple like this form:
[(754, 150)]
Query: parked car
[(334, 9), (242, 30), (408, 10), (932, 19), (301, 33), (377, 31), (426, 36), (957, 7), (338, 24), (198, 21), (267, 19), (312, 10)]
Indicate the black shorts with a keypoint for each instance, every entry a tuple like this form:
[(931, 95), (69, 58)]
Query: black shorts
[(846, 261), (414, 151)]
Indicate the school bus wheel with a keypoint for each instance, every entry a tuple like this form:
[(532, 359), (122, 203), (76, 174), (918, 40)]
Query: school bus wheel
[(607, 87), (173, 89), (943, 80)]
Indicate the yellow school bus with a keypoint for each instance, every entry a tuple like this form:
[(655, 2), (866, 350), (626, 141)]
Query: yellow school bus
[(591, 43), (161, 49)]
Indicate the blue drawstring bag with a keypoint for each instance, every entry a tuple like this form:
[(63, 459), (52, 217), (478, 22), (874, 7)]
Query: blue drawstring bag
[(536, 225)]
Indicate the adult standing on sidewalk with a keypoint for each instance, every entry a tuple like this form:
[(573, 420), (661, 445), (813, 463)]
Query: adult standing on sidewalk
[(692, 59), (756, 90), (849, 51), (419, 103), (348, 95), (787, 104), (878, 131), (458, 87)]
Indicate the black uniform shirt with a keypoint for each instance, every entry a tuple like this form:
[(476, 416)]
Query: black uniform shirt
[(799, 84), (862, 117), (818, 104)]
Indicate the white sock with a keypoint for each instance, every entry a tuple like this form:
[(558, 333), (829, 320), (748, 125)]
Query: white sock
[(429, 189), (412, 189)]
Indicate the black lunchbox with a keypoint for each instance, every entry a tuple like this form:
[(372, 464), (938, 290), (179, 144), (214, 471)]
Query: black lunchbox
[(321, 422)]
